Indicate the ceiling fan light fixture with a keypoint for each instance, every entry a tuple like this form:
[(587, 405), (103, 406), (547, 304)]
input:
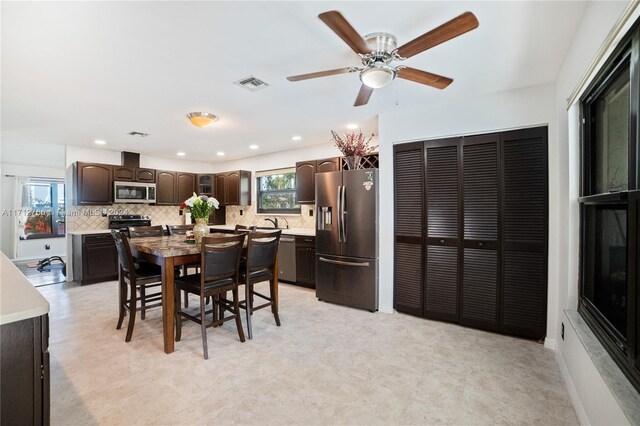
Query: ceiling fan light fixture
[(202, 119), (377, 75)]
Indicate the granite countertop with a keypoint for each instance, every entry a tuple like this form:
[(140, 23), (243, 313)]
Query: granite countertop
[(291, 231), (20, 299)]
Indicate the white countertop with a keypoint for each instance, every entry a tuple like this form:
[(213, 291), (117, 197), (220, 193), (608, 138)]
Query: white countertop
[(291, 231), (19, 299), (91, 231)]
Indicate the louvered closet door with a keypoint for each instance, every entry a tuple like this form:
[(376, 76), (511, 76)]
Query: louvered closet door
[(409, 192), (443, 227), (480, 271), (524, 257)]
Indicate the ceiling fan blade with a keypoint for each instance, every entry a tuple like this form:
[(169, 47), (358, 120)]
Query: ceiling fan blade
[(455, 27), (345, 31), (423, 77), (322, 73), (363, 95)]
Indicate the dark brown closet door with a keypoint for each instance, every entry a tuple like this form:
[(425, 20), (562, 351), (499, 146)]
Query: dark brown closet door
[(480, 279), (524, 257), (409, 206), (443, 239)]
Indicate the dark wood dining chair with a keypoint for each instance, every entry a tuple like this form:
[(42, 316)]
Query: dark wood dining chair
[(250, 228), (262, 249), (182, 230), (179, 229), (135, 279), (219, 266), (145, 231)]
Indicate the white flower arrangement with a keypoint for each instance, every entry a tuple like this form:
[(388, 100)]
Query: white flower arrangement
[(200, 206)]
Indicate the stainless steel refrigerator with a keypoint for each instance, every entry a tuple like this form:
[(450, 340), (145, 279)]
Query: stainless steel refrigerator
[(347, 238)]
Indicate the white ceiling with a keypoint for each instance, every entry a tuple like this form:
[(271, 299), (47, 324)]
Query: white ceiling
[(74, 72)]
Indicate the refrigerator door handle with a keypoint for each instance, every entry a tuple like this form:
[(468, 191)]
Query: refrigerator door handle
[(342, 262), (343, 205), (339, 213)]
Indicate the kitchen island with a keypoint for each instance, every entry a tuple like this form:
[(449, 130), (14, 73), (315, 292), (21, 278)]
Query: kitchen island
[(24, 359)]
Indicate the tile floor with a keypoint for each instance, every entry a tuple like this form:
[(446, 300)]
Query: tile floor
[(327, 364)]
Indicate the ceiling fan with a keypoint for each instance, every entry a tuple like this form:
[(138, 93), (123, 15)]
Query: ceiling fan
[(378, 50)]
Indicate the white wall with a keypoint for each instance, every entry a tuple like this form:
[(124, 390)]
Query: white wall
[(594, 402), (526, 107), (107, 156)]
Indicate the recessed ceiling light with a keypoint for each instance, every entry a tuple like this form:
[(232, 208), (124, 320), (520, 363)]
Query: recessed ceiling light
[(181, 154), (220, 153), (99, 142), (352, 126), (296, 138), (253, 146)]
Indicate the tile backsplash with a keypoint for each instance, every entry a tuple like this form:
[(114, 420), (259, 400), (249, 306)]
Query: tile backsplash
[(250, 217), (88, 218)]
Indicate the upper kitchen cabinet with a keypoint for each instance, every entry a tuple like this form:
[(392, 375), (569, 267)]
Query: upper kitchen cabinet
[(133, 174), (186, 186), (165, 188), (306, 177), (204, 185), (93, 183), (233, 188)]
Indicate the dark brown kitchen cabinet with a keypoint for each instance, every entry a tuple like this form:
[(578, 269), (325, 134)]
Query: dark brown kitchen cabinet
[(205, 185), (306, 177), (133, 174), (145, 175), (25, 371), (233, 188), (95, 258), (93, 183), (124, 174), (165, 188), (185, 186), (220, 186), (306, 261), (471, 230)]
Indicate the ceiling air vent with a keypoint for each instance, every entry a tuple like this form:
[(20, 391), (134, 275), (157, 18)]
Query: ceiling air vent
[(252, 83), (141, 134)]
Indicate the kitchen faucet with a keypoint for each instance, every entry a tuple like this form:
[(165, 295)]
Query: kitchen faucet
[(285, 221), (274, 221)]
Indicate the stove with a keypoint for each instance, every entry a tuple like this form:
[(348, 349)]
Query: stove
[(123, 221)]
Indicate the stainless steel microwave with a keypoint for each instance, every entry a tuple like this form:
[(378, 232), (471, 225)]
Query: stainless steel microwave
[(134, 192)]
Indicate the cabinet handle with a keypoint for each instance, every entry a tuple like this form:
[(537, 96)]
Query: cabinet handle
[(480, 244), (441, 241)]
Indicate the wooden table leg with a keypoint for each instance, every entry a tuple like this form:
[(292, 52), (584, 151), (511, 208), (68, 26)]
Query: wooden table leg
[(168, 304)]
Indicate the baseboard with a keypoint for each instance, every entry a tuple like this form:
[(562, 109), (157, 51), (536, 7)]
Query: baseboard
[(573, 393), (550, 344)]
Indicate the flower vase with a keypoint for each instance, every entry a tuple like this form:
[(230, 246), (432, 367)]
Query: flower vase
[(353, 162), (200, 229)]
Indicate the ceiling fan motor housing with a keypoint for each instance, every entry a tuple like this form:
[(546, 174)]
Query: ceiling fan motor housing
[(382, 46)]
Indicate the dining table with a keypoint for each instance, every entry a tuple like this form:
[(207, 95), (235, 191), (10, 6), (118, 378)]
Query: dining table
[(169, 252)]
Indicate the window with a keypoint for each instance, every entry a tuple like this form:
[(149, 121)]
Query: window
[(43, 202), (277, 191), (610, 208)]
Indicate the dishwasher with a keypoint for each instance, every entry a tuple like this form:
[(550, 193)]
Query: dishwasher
[(287, 259)]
